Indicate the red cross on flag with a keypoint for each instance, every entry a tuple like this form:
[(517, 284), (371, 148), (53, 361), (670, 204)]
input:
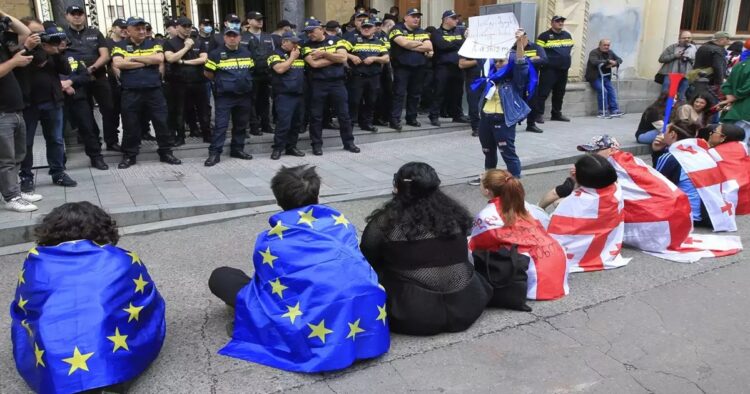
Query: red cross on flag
[(734, 162), (590, 224)]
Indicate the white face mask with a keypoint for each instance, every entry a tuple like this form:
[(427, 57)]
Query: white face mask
[(208, 29)]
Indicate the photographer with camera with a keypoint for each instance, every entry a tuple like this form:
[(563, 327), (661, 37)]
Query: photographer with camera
[(12, 127), (677, 58)]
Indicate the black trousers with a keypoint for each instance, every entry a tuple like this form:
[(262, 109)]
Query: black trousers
[(139, 106), (448, 83), (472, 98), (289, 112), (226, 282), (551, 80), (198, 109), (101, 90), (261, 111), (407, 86), (363, 93), (385, 95), (320, 93), (116, 91), (82, 114), (179, 95)]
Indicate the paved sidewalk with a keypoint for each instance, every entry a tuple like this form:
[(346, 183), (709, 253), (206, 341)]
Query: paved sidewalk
[(455, 155)]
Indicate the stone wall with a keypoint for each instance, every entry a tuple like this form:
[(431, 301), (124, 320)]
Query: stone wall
[(18, 8), (634, 96)]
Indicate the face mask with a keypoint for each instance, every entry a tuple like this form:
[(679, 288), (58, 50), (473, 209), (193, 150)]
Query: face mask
[(235, 26), (208, 29)]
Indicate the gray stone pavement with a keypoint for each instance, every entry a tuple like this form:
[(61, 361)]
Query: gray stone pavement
[(651, 326)]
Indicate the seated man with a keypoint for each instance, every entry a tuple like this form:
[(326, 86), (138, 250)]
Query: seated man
[(599, 68), (86, 314), (314, 303)]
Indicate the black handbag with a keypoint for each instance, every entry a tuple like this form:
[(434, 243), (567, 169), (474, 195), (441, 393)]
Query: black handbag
[(505, 270), (659, 78)]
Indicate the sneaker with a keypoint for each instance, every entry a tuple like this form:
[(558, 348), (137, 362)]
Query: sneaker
[(64, 180), (31, 197), (617, 114), (27, 185), (604, 116), (476, 182), (18, 204)]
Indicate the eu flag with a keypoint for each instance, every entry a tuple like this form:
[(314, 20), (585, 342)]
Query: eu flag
[(314, 303), (84, 316)]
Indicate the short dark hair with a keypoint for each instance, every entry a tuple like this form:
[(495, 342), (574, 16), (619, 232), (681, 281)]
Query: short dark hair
[(77, 220), (732, 132), (595, 172), (296, 187), (684, 128)]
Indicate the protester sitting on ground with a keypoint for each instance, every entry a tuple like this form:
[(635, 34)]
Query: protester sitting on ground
[(696, 111), (86, 314), (651, 119), (507, 221), (725, 133), (417, 244), (731, 155), (314, 303)]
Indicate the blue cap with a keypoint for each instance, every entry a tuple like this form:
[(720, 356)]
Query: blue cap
[(229, 30), (51, 28), (311, 24), (289, 36), (74, 9), (450, 14), (361, 13), (413, 11), (369, 22), (135, 21)]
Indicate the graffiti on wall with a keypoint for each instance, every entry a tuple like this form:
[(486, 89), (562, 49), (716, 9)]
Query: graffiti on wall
[(622, 23)]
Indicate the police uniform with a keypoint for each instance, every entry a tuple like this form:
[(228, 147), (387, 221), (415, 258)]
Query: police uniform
[(261, 48), (448, 78), (364, 82), (533, 50), (385, 94), (554, 75), (142, 99), (408, 74), (233, 88), (288, 89), (78, 107), (472, 96)]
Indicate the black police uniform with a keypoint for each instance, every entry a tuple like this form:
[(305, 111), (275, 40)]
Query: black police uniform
[(328, 83), (233, 88), (187, 88), (261, 47), (408, 73), (364, 82), (84, 45), (288, 89), (142, 99), (532, 50), (448, 78), (78, 106), (385, 94), (554, 75), (472, 95)]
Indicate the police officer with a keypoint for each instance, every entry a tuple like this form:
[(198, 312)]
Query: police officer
[(385, 94), (367, 56), (448, 78), (288, 80), (410, 46), (88, 44), (230, 68), (472, 71), (231, 21), (325, 58), (118, 33), (359, 17), (261, 46), (553, 77), (538, 57), (185, 78), (138, 60)]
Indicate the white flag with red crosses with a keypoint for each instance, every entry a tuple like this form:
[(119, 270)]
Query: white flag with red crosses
[(734, 162)]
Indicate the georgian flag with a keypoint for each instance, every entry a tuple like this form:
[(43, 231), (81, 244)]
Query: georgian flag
[(547, 272), (718, 193), (590, 225), (658, 219), (734, 162)]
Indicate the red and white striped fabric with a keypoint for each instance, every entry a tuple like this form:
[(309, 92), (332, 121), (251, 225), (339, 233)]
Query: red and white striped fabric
[(590, 224), (718, 193), (658, 220), (548, 272), (734, 162)]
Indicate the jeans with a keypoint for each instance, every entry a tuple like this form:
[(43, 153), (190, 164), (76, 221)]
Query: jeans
[(494, 135), (648, 137), (51, 118), (680, 90), (12, 152), (611, 95)]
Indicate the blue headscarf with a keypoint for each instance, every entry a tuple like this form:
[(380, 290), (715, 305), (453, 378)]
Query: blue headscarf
[(496, 76)]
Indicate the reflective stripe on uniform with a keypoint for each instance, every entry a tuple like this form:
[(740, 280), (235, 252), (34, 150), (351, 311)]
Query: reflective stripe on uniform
[(230, 64), (556, 43), (117, 51)]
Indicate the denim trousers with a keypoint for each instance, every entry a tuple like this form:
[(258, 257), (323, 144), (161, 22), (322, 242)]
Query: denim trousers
[(50, 115), (12, 152)]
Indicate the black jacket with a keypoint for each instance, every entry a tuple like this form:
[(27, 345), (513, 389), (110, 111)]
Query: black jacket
[(597, 57), (45, 84), (713, 56)]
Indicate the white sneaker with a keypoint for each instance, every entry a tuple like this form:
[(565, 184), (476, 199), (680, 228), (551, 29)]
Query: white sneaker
[(31, 197), (18, 204), (476, 182)]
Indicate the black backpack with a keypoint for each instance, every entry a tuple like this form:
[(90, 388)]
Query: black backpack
[(505, 270)]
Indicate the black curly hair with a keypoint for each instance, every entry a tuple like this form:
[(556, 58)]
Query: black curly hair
[(418, 206), (77, 220)]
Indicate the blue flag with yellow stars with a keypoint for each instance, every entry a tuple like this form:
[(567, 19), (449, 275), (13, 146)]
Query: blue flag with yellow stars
[(314, 303), (84, 316)]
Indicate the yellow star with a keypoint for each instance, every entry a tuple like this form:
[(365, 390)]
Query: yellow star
[(319, 330), (98, 244), (381, 313), (136, 259), (140, 284), (22, 303), (134, 311), (268, 258), (293, 312), (340, 220), (278, 229), (38, 355), (119, 340), (25, 324), (306, 217), (32, 251), (354, 330), (277, 287), (21, 280), (78, 361)]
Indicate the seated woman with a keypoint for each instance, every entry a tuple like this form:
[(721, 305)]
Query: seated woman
[(314, 303), (417, 244), (654, 113), (731, 155), (86, 314), (506, 221), (697, 111)]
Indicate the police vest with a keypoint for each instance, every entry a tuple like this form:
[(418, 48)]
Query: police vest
[(405, 57), (139, 78), (80, 77), (232, 70), (261, 50), (367, 47), (290, 82), (446, 44), (558, 47), (85, 44), (329, 73)]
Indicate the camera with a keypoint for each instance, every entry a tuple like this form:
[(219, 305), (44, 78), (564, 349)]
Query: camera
[(53, 39), (5, 24)]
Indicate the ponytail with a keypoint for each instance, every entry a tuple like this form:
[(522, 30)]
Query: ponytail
[(509, 189)]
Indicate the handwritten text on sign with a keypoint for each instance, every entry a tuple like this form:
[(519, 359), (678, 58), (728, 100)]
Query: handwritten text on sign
[(490, 36)]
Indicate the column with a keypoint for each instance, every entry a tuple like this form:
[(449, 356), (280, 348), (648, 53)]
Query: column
[(293, 11)]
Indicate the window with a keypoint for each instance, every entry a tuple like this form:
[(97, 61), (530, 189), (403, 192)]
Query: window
[(743, 23), (705, 16), (120, 11), (111, 11)]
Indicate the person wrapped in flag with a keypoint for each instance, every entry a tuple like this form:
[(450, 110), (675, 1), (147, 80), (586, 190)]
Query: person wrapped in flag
[(731, 155), (507, 221), (86, 314), (590, 222), (314, 303)]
